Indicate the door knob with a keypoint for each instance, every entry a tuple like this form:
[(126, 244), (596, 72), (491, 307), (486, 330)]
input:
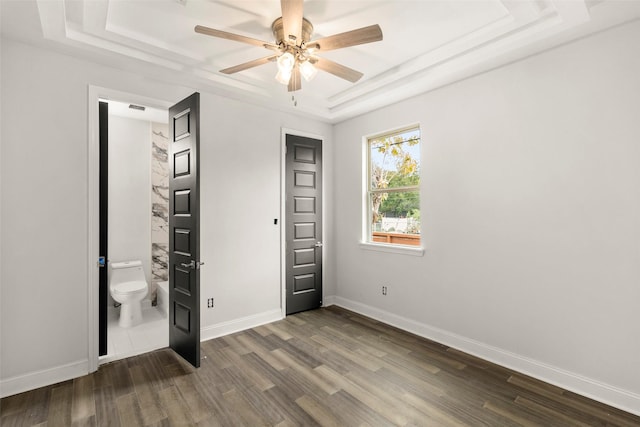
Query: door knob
[(192, 264), (318, 244)]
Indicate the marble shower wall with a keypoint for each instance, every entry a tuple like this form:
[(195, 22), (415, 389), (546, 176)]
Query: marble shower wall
[(159, 206)]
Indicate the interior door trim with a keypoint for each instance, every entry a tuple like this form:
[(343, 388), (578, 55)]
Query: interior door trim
[(326, 249), (96, 94)]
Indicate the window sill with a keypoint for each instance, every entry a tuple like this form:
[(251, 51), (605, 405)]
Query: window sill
[(395, 249)]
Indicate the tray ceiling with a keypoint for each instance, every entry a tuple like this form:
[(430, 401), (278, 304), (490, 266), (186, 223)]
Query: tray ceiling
[(426, 43)]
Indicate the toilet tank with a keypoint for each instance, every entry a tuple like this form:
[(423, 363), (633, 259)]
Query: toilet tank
[(126, 271)]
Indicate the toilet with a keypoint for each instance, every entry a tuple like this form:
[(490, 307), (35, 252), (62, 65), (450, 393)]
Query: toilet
[(128, 286)]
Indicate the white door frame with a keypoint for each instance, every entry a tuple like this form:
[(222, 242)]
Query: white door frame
[(283, 213), (95, 94)]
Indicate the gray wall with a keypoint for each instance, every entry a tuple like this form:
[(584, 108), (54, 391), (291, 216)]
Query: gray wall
[(44, 223), (531, 217)]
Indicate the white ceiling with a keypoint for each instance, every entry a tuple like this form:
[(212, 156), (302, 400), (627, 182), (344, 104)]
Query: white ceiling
[(426, 43)]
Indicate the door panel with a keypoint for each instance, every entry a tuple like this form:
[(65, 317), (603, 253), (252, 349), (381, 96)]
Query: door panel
[(184, 229), (303, 182)]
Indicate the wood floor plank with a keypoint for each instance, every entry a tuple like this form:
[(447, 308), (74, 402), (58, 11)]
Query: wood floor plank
[(83, 404), (535, 386), (607, 413), (278, 331), (433, 414), (150, 408), (417, 361), (31, 408), (60, 405), (120, 378), (129, 412), (307, 372), (320, 413), (389, 393), (245, 414), (106, 408), (191, 390), (263, 352), (14, 404), (270, 414), (411, 383), (89, 421), (353, 412), (153, 365), (363, 359), (294, 414), (516, 416), (364, 396), (234, 346), (175, 406), (323, 367), (304, 354), (240, 362), (558, 417)]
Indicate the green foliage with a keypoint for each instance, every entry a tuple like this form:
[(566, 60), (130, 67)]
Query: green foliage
[(400, 205)]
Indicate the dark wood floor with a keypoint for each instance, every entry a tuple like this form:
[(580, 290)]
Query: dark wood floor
[(323, 367)]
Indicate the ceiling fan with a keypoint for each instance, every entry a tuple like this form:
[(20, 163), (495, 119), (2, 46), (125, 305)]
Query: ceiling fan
[(294, 52)]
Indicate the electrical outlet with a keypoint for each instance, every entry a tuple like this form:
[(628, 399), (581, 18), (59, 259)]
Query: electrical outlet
[(384, 290), (210, 303)]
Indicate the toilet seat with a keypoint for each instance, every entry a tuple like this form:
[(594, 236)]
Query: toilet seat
[(128, 288)]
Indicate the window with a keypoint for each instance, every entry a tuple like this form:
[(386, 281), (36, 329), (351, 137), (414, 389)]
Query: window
[(393, 188)]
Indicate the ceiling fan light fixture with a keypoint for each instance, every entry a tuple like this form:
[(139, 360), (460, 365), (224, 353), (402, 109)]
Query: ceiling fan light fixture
[(283, 76), (307, 70), (286, 61)]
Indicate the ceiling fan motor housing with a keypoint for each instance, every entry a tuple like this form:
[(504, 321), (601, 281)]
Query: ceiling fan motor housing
[(278, 32)]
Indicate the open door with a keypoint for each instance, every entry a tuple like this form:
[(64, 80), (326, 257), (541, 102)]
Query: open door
[(184, 229), (103, 124)]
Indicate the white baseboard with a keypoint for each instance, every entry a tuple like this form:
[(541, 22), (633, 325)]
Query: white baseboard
[(33, 380), (45, 377), (593, 389), (237, 325), (327, 301)]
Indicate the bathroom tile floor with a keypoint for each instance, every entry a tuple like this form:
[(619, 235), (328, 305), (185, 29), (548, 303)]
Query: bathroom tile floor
[(151, 334)]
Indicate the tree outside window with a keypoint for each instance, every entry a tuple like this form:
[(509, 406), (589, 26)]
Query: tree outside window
[(393, 188)]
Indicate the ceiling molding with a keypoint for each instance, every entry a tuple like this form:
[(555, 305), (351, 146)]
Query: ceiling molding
[(426, 44)]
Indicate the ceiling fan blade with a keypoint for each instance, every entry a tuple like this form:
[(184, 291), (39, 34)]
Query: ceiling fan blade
[(337, 69), (295, 82), (369, 34), (250, 64), (292, 20), (231, 36)]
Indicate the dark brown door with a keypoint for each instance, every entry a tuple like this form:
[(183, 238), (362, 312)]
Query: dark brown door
[(184, 229), (303, 182)]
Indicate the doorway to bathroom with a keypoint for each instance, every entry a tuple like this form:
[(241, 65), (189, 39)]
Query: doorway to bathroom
[(134, 206)]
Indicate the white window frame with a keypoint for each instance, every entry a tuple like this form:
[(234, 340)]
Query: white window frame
[(366, 186)]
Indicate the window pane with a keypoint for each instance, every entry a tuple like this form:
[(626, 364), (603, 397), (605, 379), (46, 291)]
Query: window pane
[(395, 217), (395, 160)]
